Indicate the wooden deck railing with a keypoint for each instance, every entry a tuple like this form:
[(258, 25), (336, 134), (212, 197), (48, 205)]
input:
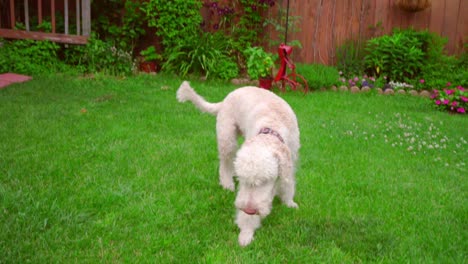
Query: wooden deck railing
[(82, 10)]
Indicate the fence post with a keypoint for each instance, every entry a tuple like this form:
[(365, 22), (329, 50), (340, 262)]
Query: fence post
[(86, 17)]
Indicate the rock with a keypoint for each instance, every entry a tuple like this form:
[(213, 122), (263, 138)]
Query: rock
[(389, 92), (413, 92), (355, 89), (333, 88), (365, 89), (379, 90), (343, 88), (242, 81), (401, 91), (425, 93)]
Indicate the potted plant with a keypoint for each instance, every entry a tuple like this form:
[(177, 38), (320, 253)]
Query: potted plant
[(259, 66), (413, 5), (149, 59)]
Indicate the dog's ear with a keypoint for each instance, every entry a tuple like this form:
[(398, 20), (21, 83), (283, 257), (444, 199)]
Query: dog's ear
[(285, 164)]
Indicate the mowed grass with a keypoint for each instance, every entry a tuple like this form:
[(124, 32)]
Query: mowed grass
[(111, 170)]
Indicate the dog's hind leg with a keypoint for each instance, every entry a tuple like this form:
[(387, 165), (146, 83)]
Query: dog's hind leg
[(226, 132)]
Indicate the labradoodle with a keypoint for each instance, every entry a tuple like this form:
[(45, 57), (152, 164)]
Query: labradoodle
[(265, 163)]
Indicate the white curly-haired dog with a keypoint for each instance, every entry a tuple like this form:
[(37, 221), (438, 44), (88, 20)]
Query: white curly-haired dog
[(265, 163)]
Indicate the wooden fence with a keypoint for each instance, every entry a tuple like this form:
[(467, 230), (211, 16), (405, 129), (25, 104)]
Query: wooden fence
[(326, 24)]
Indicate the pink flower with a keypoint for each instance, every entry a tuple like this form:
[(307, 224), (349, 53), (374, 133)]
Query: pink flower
[(446, 101), (437, 102), (385, 77), (365, 76), (372, 79), (454, 103), (461, 110), (340, 73), (464, 99), (356, 79), (421, 81), (461, 88), (449, 92), (448, 84)]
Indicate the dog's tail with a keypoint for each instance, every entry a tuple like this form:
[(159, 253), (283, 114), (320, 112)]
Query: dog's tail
[(186, 93)]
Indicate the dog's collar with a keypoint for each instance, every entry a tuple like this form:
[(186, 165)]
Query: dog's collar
[(267, 130)]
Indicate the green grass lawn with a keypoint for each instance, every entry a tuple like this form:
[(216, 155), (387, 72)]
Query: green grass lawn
[(115, 171)]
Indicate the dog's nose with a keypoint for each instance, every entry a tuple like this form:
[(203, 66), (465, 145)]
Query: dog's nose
[(249, 211)]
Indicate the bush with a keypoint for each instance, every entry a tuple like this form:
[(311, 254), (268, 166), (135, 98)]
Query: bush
[(446, 70), (30, 57), (100, 56), (350, 58), (398, 56), (208, 54), (318, 75)]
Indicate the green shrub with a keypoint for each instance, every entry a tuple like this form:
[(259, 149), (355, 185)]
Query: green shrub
[(403, 55), (122, 29), (259, 62), (30, 57), (350, 58), (447, 70), (176, 22), (208, 54), (397, 56), (318, 75), (100, 56)]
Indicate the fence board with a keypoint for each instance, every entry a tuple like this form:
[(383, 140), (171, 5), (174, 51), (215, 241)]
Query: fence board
[(327, 24)]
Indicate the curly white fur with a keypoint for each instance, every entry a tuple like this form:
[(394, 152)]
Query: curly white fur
[(264, 165)]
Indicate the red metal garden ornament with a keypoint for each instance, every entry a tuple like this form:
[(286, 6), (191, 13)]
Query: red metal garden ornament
[(294, 80)]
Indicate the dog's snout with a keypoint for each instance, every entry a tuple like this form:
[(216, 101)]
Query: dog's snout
[(249, 211)]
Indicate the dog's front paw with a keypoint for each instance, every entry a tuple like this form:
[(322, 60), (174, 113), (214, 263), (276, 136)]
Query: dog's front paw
[(245, 238), (292, 204)]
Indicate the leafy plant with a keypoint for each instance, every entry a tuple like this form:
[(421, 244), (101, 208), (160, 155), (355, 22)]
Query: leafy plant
[(240, 21), (150, 54), (403, 55), (119, 22), (318, 76), (259, 62), (451, 99), (350, 58), (208, 54), (30, 57), (101, 56), (176, 22), (398, 56)]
